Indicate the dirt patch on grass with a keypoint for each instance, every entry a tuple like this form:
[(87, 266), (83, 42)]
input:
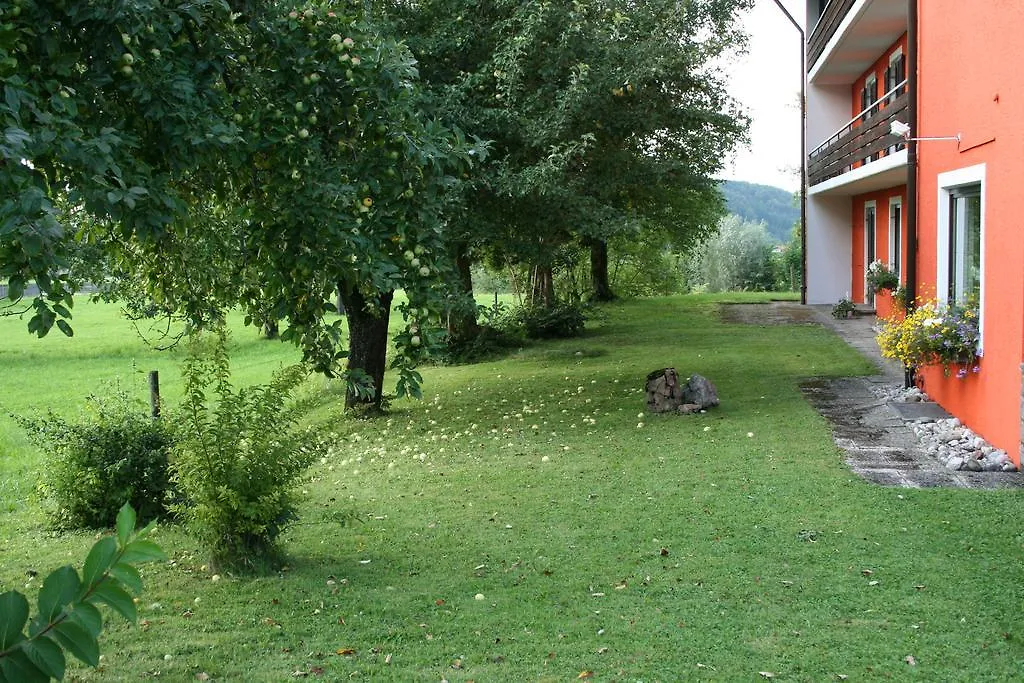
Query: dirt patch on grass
[(768, 313)]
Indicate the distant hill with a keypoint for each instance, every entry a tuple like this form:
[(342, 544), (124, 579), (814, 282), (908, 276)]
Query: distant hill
[(772, 205)]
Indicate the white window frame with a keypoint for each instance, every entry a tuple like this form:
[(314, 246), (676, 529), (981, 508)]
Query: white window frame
[(896, 235), (871, 82), (869, 296), (948, 183)]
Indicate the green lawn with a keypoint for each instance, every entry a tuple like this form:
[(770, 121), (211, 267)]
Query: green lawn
[(525, 522)]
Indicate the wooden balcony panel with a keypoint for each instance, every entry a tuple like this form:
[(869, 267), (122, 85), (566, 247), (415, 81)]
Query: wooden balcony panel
[(826, 27), (870, 137)]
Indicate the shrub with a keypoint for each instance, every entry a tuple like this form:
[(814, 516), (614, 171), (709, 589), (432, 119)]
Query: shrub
[(67, 617), (117, 454), (933, 334), (238, 457), (557, 321)]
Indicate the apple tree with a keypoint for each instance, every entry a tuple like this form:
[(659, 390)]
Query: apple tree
[(225, 154), (606, 117)]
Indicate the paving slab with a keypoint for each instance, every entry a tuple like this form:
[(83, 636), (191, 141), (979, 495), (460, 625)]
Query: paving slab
[(876, 435)]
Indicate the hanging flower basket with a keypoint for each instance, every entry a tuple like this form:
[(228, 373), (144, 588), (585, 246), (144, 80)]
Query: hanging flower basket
[(934, 334)]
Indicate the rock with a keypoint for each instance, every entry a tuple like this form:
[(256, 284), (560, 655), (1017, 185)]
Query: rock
[(1009, 467), (973, 465), (954, 463), (664, 394), (990, 466), (701, 392)]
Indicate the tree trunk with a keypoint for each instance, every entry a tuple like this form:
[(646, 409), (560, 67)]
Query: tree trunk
[(542, 286), (462, 324), (339, 304), (367, 341), (600, 289), (271, 329)]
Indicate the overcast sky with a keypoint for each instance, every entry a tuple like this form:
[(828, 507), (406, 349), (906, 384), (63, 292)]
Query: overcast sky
[(767, 82)]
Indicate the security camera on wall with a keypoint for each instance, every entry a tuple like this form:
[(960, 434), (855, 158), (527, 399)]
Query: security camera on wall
[(899, 129)]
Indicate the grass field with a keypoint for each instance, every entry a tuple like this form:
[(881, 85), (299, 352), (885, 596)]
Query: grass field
[(526, 522)]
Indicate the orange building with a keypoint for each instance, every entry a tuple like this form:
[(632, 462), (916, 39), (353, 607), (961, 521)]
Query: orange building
[(914, 111)]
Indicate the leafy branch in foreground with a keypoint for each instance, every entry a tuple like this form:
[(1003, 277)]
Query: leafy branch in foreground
[(67, 615)]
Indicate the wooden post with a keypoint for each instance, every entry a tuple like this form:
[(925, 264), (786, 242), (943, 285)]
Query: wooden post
[(154, 394)]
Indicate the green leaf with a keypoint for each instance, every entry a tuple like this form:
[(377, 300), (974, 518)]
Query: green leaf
[(15, 289), (47, 656), (88, 616), (109, 592), (18, 668), (99, 560), (125, 524), (63, 326), (13, 616), (79, 642), (59, 589), (139, 551), (128, 576)]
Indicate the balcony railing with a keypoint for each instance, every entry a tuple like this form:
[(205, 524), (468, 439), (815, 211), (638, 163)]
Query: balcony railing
[(826, 27), (863, 138)]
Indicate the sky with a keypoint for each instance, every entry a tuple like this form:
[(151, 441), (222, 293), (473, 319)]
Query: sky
[(766, 81)]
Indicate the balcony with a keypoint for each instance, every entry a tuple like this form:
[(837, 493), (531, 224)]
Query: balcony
[(826, 27), (861, 142), (850, 35)]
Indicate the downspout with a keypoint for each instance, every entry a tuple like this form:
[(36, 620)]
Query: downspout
[(911, 212)]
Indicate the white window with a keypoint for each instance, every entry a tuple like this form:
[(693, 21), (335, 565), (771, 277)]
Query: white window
[(961, 238), (896, 73), (896, 235)]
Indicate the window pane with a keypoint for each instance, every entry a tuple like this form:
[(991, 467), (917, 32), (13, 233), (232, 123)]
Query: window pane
[(896, 236), (972, 248), (965, 245)]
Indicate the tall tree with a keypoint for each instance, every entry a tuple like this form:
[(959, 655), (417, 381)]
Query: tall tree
[(602, 114), (227, 153)]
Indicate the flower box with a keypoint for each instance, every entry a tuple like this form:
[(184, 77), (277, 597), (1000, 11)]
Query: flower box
[(887, 307)]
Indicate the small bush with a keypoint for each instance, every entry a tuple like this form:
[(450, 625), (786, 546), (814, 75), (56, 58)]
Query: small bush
[(561, 320), (843, 308), (238, 457), (117, 454)]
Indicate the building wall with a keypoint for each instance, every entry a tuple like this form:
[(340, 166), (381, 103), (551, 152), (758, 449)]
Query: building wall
[(970, 83), (828, 249), (827, 112), (858, 261), (878, 69)]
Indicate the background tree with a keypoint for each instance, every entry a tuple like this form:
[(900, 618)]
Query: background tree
[(738, 257), (601, 114)]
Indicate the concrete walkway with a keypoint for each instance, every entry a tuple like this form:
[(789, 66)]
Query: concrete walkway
[(875, 434)]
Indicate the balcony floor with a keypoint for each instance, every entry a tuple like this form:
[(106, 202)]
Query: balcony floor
[(889, 171)]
